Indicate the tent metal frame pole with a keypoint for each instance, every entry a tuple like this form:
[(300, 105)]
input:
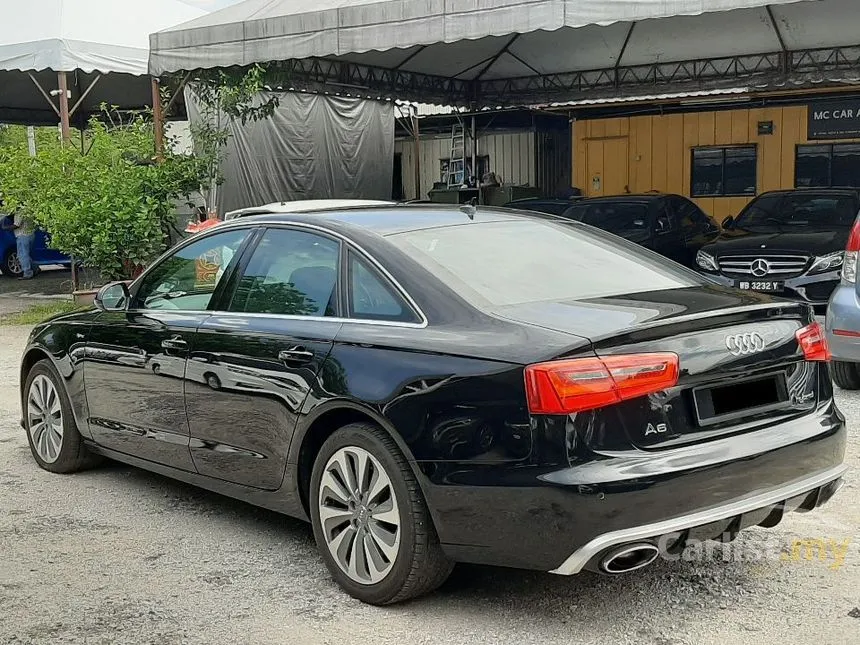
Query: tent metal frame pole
[(417, 143), (158, 120), (44, 93), (84, 95), (65, 127), (66, 132), (786, 56)]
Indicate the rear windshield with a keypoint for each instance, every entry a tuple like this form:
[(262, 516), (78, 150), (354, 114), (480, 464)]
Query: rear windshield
[(621, 219), (781, 212), (515, 262)]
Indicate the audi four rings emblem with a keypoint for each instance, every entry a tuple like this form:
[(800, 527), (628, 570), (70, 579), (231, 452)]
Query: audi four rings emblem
[(760, 268), (744, 344)]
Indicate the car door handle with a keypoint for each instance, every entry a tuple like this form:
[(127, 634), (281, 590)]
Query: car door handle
[(174, 343), (296, 355)]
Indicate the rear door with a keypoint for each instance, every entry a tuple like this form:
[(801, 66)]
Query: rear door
[(260, 356), (668, 239), (697, 229)]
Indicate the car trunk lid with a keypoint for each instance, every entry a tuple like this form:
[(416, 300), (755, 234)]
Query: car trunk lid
[(740, 363)]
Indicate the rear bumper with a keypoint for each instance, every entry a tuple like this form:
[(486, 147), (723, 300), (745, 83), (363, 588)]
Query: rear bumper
[(563, 519), (843, 313), (763, 509)]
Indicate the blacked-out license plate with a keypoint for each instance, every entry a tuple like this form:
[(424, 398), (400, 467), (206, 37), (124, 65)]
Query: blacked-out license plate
[(770, 286)]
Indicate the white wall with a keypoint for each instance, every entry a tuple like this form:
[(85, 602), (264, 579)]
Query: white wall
[(512, 156)]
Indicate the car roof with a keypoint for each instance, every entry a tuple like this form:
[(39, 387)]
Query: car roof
[(390, 219), (813, 191), (304, 206), (631, 198)]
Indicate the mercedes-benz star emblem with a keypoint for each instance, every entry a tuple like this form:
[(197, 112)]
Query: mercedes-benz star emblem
[(760, 268), (744, 344)]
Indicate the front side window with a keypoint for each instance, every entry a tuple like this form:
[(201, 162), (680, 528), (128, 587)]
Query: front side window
[(826, 166), (291, 272), (723, 172), (496, 264), (187, 279), (373, 298)]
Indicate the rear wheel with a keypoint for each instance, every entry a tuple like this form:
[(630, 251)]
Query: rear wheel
[(846, 375), (10, 264), (52, 433), (370, 519)]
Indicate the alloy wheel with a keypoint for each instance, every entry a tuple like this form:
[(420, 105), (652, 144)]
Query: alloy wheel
[(13, 263), (359, 515), (45, 418)]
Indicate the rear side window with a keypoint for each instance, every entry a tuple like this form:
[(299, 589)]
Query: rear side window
[(621, 219), (371, 297), (514, 262)]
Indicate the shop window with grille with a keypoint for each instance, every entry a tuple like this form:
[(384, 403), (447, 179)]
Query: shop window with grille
[(724, 171), (828, 166)]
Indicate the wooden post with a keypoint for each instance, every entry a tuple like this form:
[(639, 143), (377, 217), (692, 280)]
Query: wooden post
[(65, 128), (417, 155), (158, 120)]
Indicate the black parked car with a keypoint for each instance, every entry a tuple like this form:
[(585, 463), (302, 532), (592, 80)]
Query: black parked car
[(671, 225), (431, 385), (790, 243), (548, 205)]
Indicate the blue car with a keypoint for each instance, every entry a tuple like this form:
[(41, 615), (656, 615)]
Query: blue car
[(42, 253)]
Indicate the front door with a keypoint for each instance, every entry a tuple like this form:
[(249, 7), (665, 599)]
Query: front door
[(254, 365), (134, 364)]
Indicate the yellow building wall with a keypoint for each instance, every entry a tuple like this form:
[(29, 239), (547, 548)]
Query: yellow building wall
[(644, 153)]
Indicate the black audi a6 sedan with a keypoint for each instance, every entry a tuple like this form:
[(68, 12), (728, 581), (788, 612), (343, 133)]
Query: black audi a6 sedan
[(430, 385)]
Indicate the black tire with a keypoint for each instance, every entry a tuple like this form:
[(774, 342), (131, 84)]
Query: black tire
[(73, 454), (9, 264), (419, 566), (845, 375)]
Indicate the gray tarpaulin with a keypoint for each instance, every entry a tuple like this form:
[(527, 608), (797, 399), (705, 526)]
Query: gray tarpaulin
[(314, 147)]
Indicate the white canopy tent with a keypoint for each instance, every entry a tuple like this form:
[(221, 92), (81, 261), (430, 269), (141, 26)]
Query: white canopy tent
[(101, 47), (520, 51)]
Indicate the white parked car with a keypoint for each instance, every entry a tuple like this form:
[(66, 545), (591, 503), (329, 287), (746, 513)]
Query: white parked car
[(303, 206)]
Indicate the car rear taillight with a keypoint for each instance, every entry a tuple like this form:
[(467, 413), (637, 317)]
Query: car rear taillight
[(568, 386), (813, 343), (852, 252)]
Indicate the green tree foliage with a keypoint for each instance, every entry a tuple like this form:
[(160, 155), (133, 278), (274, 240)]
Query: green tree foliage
[(109, 203), (112, 206)]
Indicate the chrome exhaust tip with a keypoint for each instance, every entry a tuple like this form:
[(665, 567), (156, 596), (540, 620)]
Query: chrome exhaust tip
[(629, 558)]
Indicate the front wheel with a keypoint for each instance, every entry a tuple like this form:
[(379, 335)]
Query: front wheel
[(52, 433), (846, 375), (370, 519)]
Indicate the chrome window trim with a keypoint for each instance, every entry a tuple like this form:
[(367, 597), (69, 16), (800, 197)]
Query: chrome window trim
[(244, 223), (218, 312)]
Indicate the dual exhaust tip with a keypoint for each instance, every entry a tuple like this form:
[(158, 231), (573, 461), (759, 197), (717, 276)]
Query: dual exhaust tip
[(629, 558)]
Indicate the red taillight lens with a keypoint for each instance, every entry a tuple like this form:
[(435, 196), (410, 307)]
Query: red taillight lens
[(854, 238), (813, 343), (567, 386)]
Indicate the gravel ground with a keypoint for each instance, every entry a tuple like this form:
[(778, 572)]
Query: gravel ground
[(118, 555)]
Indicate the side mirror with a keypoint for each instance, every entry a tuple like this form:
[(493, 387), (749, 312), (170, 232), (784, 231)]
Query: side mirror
[(113, 296), (727, 223)]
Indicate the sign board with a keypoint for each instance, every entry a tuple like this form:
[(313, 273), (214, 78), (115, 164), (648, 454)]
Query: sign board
[(765, 127), (834, 119)]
